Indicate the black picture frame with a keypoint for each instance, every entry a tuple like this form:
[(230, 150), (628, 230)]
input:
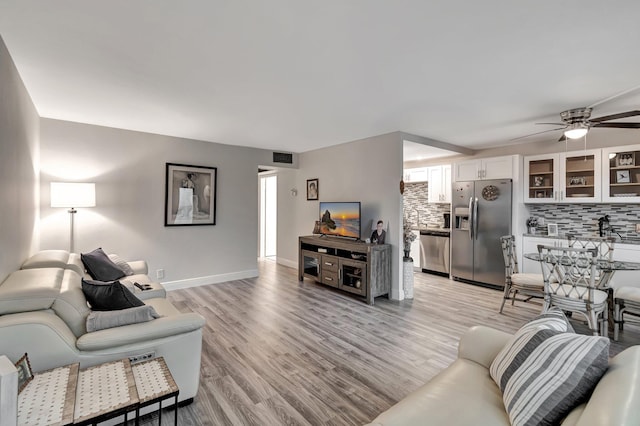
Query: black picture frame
[(196, 207), (313, 189), (25, 374), (625, 159)]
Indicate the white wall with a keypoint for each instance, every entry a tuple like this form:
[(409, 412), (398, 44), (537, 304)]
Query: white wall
[(129, 171), (18, 168), (367, 170)]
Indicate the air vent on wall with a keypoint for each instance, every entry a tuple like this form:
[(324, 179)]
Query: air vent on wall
[(283, 157)]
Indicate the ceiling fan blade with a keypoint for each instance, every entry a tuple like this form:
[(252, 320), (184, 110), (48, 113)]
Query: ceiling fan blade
[(618, 125), (615, 116), (537, 133), (555, 124), (562, 138)]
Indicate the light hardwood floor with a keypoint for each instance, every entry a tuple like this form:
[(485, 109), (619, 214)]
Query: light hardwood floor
[(277, 351)]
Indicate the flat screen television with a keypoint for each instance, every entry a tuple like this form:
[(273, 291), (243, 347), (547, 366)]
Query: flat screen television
[(340, 218)]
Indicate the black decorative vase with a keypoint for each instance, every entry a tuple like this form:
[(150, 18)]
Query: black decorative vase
[(406, 257)]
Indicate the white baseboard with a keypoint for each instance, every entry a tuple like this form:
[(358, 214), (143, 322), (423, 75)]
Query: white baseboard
[(211, 279), (286, 262)]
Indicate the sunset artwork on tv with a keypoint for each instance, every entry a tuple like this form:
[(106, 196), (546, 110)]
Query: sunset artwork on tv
[(340, 218)]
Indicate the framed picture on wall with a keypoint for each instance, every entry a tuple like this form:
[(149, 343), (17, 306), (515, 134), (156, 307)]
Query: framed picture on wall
[(552, 229), (190, 195), (312, 189)]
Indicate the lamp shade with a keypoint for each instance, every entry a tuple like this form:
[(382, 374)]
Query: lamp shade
[(73, 194)]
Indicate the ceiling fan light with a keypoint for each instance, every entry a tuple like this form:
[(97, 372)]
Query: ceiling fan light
[(576, 131)]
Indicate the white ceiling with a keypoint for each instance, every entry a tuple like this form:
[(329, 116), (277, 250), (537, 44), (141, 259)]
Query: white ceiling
[(296, 75)]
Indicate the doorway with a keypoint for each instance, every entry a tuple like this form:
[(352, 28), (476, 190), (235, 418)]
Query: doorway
[(268, 215)]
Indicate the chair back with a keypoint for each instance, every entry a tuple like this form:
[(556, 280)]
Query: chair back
[(574, 269), (509, 253), (604, 245)]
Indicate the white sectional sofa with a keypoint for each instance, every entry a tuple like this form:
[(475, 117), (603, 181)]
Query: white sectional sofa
[(43, 312), (465, 394)]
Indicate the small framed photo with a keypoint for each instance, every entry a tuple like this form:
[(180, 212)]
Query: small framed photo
[(552, 229), (577, 180), (538, 181), (312, 189), (623, 176), (25, 374), (625, 159), (540, 194)]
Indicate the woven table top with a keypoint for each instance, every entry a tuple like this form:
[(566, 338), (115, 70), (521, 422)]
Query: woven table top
[(153, 380)]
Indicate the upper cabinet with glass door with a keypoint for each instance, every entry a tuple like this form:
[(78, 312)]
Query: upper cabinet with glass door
[(571, 177), (541, 178), (621, 174), (581, 178)]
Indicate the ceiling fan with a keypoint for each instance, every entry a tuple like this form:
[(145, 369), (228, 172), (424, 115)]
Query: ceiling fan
[(576, 123)]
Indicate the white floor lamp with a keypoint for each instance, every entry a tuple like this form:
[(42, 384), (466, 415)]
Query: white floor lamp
[(72, 195)]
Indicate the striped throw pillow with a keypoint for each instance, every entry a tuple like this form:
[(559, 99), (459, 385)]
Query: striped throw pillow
[(547, 373)]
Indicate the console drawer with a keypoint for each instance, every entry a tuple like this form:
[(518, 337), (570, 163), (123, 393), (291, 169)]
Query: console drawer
[(330, 278), (329, 263)]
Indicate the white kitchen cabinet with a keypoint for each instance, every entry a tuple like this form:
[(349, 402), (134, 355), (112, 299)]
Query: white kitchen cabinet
[(439, 178), (569, 177), (621, 174), (419, 174), (530, 245), (484, 169)]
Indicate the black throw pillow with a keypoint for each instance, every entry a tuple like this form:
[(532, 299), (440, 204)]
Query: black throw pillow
[(100, 267), (109, 296)]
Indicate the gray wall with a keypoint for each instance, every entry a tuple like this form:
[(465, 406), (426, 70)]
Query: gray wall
[(367, 170), (129, 171), (18, 168)]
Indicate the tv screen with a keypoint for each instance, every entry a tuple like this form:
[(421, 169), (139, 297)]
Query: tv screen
[(340, 218)]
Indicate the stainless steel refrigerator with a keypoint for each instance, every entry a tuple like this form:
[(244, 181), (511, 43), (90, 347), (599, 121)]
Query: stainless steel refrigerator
[(481, 213)]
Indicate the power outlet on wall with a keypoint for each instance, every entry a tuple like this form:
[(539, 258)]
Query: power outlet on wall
[(160, 274), (133, 359)]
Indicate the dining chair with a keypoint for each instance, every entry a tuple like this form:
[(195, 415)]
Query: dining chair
[(569, 276), (626, 300), (604, 245), (528, 285)]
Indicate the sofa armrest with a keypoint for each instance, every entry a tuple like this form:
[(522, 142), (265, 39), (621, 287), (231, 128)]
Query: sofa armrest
[(481, 344), (136, 333), (616, 398)]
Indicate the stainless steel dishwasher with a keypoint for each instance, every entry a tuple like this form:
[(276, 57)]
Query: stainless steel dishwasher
[(434, 254)]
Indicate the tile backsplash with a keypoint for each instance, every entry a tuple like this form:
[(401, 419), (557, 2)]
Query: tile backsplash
[(415, 200), (582, 219)]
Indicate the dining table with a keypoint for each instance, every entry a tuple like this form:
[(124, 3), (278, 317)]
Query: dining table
[(607, 268)]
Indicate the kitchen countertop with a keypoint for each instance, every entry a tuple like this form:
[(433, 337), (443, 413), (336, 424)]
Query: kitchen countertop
[(634, 241)]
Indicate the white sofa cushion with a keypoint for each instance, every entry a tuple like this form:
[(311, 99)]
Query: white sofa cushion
[(55, 259), (171, 323), (30, 290)]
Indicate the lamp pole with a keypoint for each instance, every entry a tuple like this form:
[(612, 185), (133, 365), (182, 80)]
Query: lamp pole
[(72, 211)]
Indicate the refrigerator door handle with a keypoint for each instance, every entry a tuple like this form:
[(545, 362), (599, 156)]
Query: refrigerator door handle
[(470, 218), (475, 218)]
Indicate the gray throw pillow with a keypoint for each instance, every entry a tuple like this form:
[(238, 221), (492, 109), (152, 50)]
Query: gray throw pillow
[(109, 296), (545, 372), (102, 320), (122, 264), (100, 267)]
